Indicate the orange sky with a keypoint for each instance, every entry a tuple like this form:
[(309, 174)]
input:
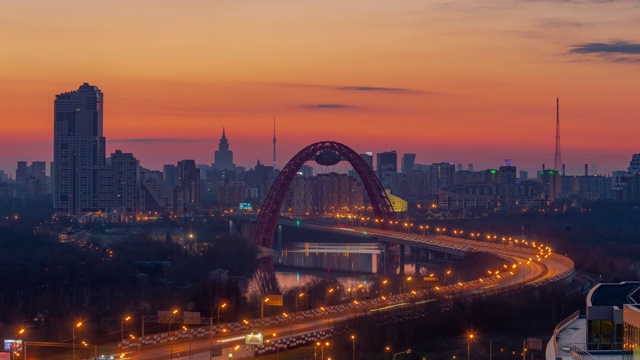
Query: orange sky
[(460, 81)]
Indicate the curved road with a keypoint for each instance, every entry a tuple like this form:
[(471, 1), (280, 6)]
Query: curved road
[(532, 268)]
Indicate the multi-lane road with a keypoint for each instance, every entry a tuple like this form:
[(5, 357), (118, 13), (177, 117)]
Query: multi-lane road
[(535, 265)]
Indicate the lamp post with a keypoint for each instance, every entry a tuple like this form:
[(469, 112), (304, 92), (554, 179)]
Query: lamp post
[(173, 313), (221, 306), (265, 300), (353, 347), (127, 318), (299, 296), (322, 345), (469, 338), (73, 338), (21, 332)]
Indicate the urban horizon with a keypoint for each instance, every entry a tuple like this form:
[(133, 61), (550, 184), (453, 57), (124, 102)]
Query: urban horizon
[(127, 147)]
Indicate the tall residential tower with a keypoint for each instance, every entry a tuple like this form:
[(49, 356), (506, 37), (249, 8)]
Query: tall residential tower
[(78, 150)]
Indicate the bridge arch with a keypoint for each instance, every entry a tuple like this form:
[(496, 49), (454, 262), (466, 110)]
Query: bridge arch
[(266, 221)]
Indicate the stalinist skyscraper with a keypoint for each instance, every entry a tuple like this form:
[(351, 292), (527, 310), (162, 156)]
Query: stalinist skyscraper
[(223, 158), (78, 150)]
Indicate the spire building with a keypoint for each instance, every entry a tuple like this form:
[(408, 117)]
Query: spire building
[(223, 158)]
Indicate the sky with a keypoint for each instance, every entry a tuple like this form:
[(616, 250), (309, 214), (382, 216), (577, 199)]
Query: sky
[(453, 80)]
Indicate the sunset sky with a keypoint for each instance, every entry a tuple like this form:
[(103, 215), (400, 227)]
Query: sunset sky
[(459, 81)]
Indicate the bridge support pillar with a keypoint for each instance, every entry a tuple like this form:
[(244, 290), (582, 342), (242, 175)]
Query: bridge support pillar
[(385, 260), (416, 260), (231, 227), (401, 259)]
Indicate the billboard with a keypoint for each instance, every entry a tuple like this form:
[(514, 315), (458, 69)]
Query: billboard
[(253, 339), (273, 300), (12, 345), (191, 318), (167, 317)]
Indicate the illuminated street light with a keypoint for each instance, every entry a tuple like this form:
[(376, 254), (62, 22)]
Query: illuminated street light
[(73, 338), (353, 348), (122, 321), (469, 338)]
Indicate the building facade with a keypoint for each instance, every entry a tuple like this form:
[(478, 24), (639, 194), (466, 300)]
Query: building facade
[(78, 150)]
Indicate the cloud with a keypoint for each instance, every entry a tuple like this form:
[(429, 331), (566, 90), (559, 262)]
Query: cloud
[(613, 47), (363, 88), (327, 106), (157, 140), (377, 89)]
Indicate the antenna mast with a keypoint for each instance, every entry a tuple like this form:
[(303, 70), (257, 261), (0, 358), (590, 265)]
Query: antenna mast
[(557, 163), (274, 143)]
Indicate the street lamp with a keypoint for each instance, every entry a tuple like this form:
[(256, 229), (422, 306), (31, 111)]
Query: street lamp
[(353, 347), (469, 338), (173, 313), (127, 318), (222, 306), (322, 345), (73, 338), (190, 337), (265, 300), (21, 332), (299, 296)]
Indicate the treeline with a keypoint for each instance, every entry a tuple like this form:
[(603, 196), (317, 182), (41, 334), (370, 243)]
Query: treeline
[(47, 286), (602, 237)]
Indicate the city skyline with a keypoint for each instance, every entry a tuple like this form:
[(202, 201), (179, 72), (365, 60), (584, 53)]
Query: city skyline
[(466, 82)]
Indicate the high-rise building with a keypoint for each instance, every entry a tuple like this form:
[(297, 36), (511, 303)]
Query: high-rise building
[(387, 163), (223, 156), (125, 194), (440, 175), (368, 158), (78, 150), (407, 163), (22, 172), (550, 179), (189, 187), (170, 174), (507, 185)]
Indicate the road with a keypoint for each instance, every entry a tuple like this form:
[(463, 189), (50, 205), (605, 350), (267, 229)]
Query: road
[(534, 266)]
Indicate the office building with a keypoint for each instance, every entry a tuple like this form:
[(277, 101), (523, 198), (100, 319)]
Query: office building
[(407, 163), (387, 169)]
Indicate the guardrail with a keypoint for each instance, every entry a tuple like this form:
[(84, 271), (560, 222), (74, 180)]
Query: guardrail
[(578, 352), (561, 325)]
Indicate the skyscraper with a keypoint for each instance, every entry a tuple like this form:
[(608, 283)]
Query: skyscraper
[(223, 156), (387, 163), (407, 163), (78, 150)]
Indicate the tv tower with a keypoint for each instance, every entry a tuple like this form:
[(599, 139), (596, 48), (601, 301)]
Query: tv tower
[(274, 143), (557, 163)]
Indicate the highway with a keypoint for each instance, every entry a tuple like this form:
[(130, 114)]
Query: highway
[(534, 266)]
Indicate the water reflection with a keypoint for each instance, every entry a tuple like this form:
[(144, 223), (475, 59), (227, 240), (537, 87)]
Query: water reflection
[(352, 264), (351, 257)]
